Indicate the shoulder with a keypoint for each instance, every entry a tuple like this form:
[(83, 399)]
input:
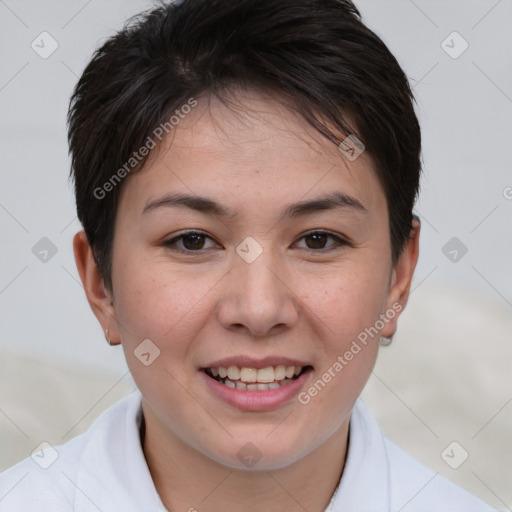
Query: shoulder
[(27, 487), (403, 482), (416, 488), (47, 480)]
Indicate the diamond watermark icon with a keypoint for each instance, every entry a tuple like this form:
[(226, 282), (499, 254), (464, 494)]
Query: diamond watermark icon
[(44, 250), (249, 455), (146, 352), (44, 45), (44, 455), (351, 147), (454, 250), (454, 45), (249, 249), (454, 455)]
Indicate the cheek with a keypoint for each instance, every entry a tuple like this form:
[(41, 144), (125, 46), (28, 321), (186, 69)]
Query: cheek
[(349, 300), (155, 301), (163, 306)]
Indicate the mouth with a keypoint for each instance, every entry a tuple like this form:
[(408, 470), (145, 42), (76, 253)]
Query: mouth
[(256, 379)]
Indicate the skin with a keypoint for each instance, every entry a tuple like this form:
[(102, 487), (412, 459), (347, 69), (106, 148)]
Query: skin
[(294, 300)]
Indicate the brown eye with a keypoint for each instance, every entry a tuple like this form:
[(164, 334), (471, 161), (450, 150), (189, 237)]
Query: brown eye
[(193, 242), (316, 241), (189, 242)]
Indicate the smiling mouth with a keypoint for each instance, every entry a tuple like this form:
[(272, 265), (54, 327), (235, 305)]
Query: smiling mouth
[(254, 379)]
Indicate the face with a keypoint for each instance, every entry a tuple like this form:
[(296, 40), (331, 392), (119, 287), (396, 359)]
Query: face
[(270, 270)]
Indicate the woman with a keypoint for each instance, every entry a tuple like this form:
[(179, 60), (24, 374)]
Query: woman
[(245, 173)]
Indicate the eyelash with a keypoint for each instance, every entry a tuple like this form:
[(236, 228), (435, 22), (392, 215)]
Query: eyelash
[(339, 242)]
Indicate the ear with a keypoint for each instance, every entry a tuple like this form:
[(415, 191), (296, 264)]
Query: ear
[(99, 298), (401, 277)]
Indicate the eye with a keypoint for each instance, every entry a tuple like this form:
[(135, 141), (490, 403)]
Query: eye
[(318, 239), (192, 241)]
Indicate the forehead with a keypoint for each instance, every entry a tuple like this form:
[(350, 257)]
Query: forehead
[(250, 144)]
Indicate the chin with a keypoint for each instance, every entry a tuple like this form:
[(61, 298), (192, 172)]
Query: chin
[(258, 454)]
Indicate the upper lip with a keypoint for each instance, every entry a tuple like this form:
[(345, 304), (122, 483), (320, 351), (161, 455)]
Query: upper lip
[(252, 362)]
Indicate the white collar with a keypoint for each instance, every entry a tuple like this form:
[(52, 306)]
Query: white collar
[(364, 484), (117, 451)]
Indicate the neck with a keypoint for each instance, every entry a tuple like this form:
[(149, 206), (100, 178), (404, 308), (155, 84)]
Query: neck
[(187, 480)]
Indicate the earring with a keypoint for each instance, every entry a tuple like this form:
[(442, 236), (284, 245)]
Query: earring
[(385, 342), (109, 341)]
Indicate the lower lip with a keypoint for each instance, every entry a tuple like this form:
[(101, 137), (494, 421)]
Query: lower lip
[(256, 400)]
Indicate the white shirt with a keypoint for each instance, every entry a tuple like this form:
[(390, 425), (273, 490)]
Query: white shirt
[(104, 469)]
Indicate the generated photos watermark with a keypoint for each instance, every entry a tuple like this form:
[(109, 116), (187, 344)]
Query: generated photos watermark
[(151, 142), (355, 348)]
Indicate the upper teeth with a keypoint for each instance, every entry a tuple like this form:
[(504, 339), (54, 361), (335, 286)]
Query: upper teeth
[(263, 375)]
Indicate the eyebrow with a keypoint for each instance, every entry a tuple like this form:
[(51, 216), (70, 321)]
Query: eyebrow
[(334, 200)]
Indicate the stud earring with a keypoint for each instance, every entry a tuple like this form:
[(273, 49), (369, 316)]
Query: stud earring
[(385, 342), (109, 341)]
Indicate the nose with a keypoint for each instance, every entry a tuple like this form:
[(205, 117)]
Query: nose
[(258, 298)]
